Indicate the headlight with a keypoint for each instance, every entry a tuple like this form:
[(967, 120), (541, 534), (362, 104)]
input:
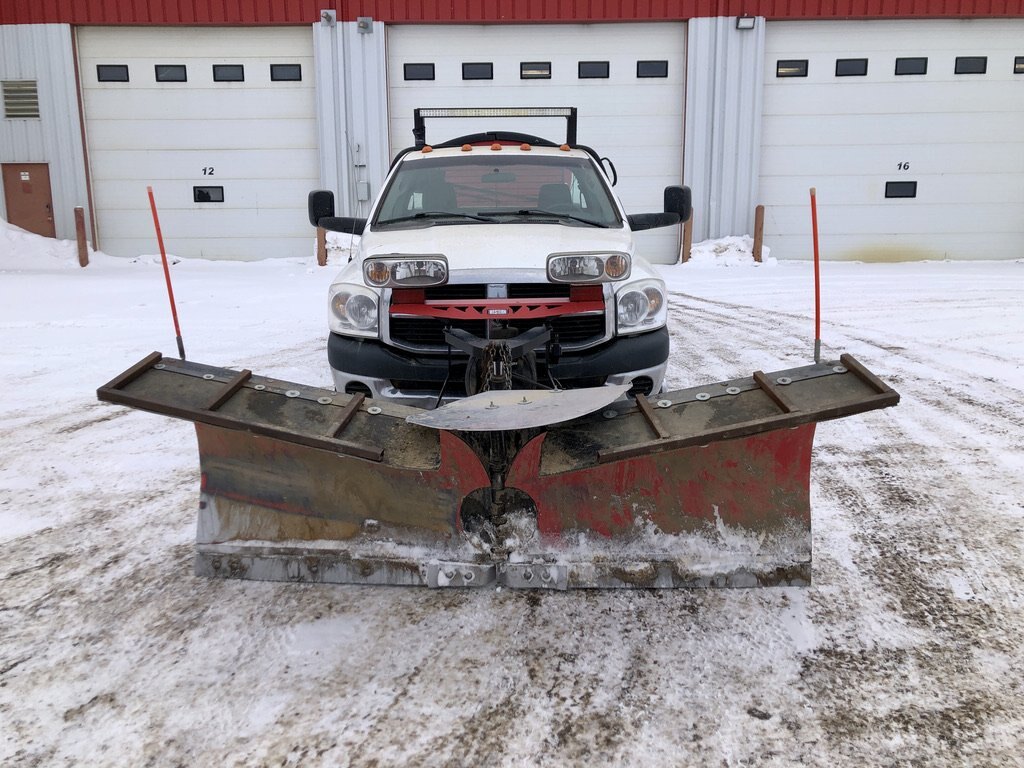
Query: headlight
[(406, 270), (353, 310), (588, 267), (641, 306)]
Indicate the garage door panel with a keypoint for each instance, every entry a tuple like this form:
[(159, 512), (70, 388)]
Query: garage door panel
[(854, 130), (963, 189), (659, 245), (199, 74), (903, 217), (246, 103), (872, 98), (179, 223), (554, 41), (110, 45), (625, 101), (981, 159), (895, 247), (277, 164), (211, 247), (203, 134), (254, 196), (888, 37)]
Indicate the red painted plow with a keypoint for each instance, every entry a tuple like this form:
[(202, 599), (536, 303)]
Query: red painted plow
[(706, 486)]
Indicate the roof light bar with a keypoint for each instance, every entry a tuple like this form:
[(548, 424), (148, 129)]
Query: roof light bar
[(419, 130), (496, 111)]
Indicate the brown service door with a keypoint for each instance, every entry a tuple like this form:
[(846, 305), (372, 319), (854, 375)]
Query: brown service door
[(28, 198)]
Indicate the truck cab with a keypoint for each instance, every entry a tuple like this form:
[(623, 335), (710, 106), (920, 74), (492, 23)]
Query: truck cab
[(496, 260)]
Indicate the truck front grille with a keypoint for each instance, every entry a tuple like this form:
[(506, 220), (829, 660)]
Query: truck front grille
[(572, 330), (427, 333)]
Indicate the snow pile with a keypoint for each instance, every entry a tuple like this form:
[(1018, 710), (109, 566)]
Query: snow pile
[(728, 252), (20, 249)]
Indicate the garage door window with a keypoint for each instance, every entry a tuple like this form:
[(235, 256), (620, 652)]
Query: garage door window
[(112, 73), (418, 71), (652, 69), (535, 70), (791, 68), (228, 73), (171, 73), (1018, 65), (851, 67), (593, 70), (285, 72), (912, 66), (208, 194), (901, 189), (971, 65), (478, 71)]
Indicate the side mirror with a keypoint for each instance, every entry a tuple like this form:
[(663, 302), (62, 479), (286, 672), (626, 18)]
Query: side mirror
[(678, 201), (321, 205), (639, 221), (349, 225), (677, 209), (609, 167)]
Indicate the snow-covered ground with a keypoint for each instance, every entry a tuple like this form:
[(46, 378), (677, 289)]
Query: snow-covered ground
[(908, 649)]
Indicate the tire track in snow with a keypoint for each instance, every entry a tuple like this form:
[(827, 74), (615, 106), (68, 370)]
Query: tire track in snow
[(944, 604)]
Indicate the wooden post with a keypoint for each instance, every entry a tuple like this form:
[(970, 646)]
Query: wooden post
[(758, 232), (321, 246), (687, 239), (83, 245)]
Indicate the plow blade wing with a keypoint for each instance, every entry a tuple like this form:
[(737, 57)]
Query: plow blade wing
[(708, 486), (702, 487)]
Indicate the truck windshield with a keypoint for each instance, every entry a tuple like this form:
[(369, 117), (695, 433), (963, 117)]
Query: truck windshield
[(481, 187)]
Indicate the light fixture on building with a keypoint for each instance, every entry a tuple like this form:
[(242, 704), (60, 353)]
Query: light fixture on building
[(364, 24), (746, 21)]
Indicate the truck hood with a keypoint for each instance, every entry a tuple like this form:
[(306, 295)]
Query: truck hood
[(496, 246)]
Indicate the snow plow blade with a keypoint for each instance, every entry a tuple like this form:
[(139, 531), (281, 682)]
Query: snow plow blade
[(707, 486)]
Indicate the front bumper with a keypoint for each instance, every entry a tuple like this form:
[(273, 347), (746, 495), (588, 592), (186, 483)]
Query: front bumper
[(358, 365)]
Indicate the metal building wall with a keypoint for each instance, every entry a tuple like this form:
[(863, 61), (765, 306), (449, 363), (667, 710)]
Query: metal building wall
[(722, 147), (352, 111), (221, 12), (43, 52)]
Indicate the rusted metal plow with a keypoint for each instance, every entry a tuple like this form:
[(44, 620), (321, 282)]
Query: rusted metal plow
[(707, 486)]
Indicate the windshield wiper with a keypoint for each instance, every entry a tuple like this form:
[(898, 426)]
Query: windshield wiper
[(426, 215), (539, 212)]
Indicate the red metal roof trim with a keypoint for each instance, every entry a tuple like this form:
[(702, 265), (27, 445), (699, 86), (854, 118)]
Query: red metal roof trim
[(275, 12)]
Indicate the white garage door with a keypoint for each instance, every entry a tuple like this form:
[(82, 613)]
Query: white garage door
[(923, 165), (627, 81), (217, 123)]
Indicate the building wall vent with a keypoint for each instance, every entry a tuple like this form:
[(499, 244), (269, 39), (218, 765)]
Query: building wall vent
[(21, 99)]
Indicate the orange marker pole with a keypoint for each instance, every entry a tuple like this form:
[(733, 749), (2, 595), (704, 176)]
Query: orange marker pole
[(167, 274), (817, 278)]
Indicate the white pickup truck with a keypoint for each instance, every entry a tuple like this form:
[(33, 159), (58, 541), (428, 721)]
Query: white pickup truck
[(497, 260)]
